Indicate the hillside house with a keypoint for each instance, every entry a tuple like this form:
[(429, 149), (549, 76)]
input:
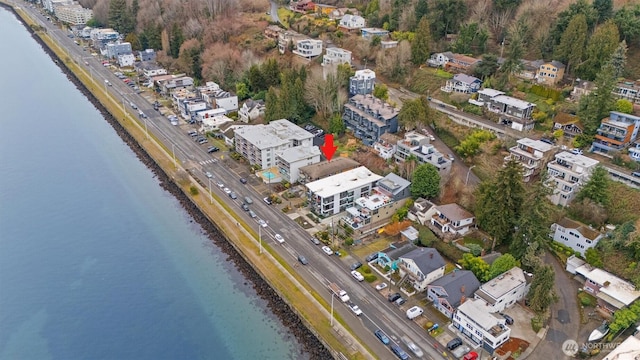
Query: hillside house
[(451, 290), (452, 218), (462, 83), (533, 155), (575, 235), (567, 173), (615, 133), (352, 22), (421, 266), (503, 291), (481, 327), (550, 73)]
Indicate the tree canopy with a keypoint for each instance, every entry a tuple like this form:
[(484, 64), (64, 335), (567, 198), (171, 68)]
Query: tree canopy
[(425, 182)]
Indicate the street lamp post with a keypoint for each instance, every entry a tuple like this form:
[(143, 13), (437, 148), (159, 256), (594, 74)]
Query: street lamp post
[(210, 196), (260, 236), (332, 309), (468, 172)]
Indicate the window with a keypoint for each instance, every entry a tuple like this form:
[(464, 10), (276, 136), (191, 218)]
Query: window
[(588, 241)]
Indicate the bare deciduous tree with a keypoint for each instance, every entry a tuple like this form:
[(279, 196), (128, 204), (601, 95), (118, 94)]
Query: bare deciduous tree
[(325, 95)]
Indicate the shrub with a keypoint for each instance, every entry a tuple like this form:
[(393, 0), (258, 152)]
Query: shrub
[(370, 278), (365, 269), (474, 249), (536, 323), (348, 242), (193, 190)]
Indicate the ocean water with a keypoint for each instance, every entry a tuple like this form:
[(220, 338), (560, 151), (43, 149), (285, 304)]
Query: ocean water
[(97, 261)]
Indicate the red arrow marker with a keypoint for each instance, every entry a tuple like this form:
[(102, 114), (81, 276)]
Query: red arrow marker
[(328, 149)]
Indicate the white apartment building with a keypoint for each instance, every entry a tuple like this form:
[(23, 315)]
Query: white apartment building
[(73, 14), (420, 146), (502, 292), (336, 56), (308, 48), (575, 234), (51, 5), (290, 160), (218, 98), (260, 144), (334, 194), (481, 327), (532, 155), (349, 22), (567, 174)]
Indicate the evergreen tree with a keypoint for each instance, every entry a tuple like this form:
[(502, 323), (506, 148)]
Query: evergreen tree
[(515, 52), (541, 294), (256, 81), (425, 182), (502, 264), (274, 107), (531, 260), (447, 15), (421, 9), (604, 9), (601, 46), (336, 124), (270, 70), (471, 39), (534, 223), (573, 41), (628, 21), (578, 7), (412, 113), (118, 16), (487, 67), (176, 40), (619, 59), (420, 45), (596, 105), (596, 188)]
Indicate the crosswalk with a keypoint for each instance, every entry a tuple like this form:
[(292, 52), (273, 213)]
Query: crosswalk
[(210, 161)]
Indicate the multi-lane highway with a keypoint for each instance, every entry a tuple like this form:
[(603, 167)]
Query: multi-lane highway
[(322, 269)]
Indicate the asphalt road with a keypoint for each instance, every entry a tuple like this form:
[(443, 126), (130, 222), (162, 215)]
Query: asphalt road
[(322, 269)]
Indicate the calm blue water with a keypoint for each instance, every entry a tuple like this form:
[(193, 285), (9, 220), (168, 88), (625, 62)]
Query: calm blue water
[(96, 260)]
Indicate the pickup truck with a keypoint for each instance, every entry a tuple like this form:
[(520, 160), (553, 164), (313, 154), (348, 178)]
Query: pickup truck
[(341, 294)]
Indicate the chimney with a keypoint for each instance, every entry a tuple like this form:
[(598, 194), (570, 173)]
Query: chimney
[(462, 289), (430, 255)]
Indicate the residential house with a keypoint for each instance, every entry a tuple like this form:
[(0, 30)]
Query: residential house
[(190, 107), (533, 155), (582, 88), (421, 266), (514, 112), (615, 133), (462, 83), (201, 116), (302, 6), (115, 49), (214, 123), (175, 83), (628, 90), (569, 124), (362, 82), (375, 210), (213, 95), (503, 291), (452, 218), (550, 73), (147, 55), (101, 37), (451, 290), (419, 146), (337, 56), (308, 48), (351, 22), (388, 44), (459, 63), (629, 349), (288, 39), (567, 173), (386, 146), (289, 161), (481, 327), (369, 117), (336, 193), (251, 110), (634, 151), (150, 69), (529, 69), (611, 292), (575, 235), (73, 14), (126, 60), (273, 31), (260, 144), (324, 169), (439, 59), (369, 33), (421, 211), (228, 131)]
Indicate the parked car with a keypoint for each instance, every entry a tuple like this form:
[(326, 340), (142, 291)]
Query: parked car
[(212, 149), (414, 312), (327, 250), (454, 343), (202, 141), (279, 238), (509, 319), (356, 310), (576, 151), (315, 241), (355, 265), (303, 260), (243, 180), (393, 297), (245, 207), (371, 257), (381, 286), (356, 275), (267, 200), (636, 173), (380, 335), (400, 301), (471, 356), (397, 350)]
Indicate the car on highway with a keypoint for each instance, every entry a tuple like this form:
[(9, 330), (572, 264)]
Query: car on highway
[(267, 200), (327, 250), (397, 350), (356, 275), (233, 195), (245, 207), (355, 309), (356, 265), (279, 238), (219, 184), (451, 345), (413, 347), (508, 319), (382, 337), (393, 297), (243, 180), (263, 223), (227, 191), (303, 260), (381, 286), (315, 241), (134, 106), (252, 214), (209, 175)]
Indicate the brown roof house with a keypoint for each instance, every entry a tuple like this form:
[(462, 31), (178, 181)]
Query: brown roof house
[(569, 124), (575, 235), (452, 219)]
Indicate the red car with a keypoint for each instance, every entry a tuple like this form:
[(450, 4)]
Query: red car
[(471, 356)]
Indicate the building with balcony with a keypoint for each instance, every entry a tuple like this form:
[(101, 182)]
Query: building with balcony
[(369, 33), (628, 90), (451, 290), (289, 161), (352, 22), (503, 291), (419, 146), (369, 117), (513, 112), (421, 267), (288, 39), (532, 155), (634, 151), (73, 14), (126, 60), (337, 193), (567, 173), (362, 82), (386, 146), (325, 169), (529, 69), (147, 55), (615, 133), (481, 327), (421, 211), (101, 37), (575, 235), (308, 48), (115, 49), (302, 6), (260, 144), (462, 83), (569, 124), (213, 95), (452, 218), (336, 56)]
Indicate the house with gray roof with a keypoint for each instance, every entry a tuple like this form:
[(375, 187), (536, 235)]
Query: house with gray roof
[(369, 117), (394, 186), (462, 83), (452, 218), (451, 290), (421, 266)]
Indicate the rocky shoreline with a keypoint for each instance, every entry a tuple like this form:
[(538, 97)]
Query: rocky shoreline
[(311, 345)]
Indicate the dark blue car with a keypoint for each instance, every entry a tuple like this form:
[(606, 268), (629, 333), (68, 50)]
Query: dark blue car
[(399, 352)]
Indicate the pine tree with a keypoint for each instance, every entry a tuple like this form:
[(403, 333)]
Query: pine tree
[(601, 45), (604, 9), (118, 15), (542, 294), (534, 223), (596, 188), (596, 105), (420, 45), (619, 59), (573, 40), (176, 41), (421, 9), (425, 182)]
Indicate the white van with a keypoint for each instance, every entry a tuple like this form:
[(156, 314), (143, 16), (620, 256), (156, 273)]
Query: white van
[(414, 312)]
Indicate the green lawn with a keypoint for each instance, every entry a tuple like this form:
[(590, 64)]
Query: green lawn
[(284, 15)]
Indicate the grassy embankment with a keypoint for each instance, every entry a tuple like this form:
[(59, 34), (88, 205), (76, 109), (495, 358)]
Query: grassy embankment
[(291, 287)]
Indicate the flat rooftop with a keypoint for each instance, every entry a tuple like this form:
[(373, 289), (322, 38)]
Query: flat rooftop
[(475, 309), (536, 144), (503, 284), (274, 134), (511, 101), (297, 153), (576, 159), (345, 181)]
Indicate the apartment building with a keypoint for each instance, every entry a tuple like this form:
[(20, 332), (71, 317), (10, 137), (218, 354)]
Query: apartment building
[(369, 117), (575, 235), (260, 144), (481, 327), (532, 155), (567, 173), (336, 56), (419, 146), (308, 48), (73, 14), (362, 82), (289, 161), (615, 133)]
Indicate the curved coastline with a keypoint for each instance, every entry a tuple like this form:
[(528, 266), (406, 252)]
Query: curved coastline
[(309, 342)]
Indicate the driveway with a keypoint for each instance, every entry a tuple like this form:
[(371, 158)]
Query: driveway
[(273, 11), (565, 316)]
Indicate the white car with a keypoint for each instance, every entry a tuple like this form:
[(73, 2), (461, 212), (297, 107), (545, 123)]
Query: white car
[(381, 286), (356, 275), (327, 250), (227, 191), (414, 312), (356, 310), (220, 184), (576, 151), (209, 175), (279, 238), (262, 223)]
